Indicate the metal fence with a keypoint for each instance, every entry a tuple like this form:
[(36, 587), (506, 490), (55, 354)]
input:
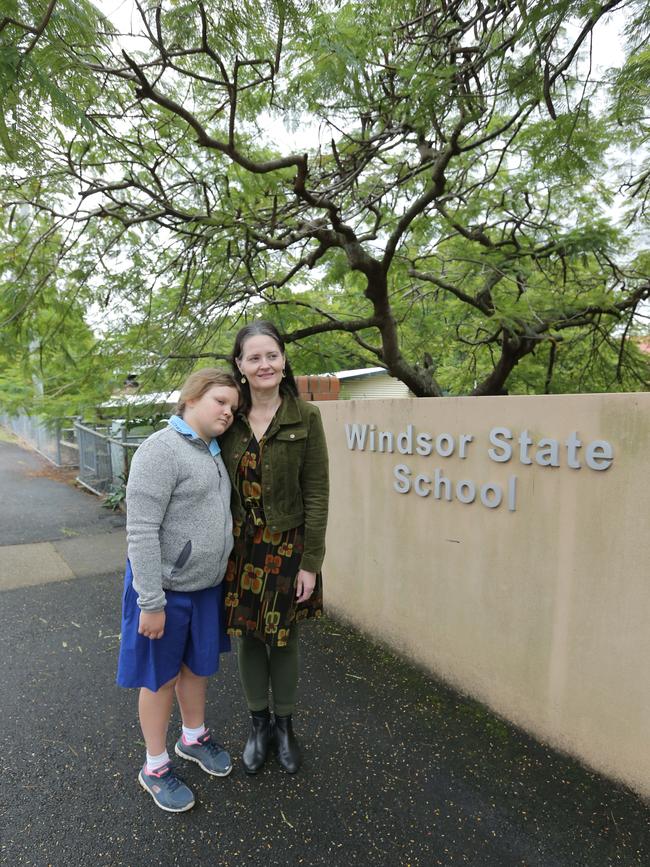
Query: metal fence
[(104, 460), (55, 440)]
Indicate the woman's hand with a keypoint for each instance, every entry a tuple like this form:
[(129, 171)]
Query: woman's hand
[(152, 624), (305, 583)]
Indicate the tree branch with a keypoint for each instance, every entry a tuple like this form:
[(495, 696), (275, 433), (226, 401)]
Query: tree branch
[(147, 91)]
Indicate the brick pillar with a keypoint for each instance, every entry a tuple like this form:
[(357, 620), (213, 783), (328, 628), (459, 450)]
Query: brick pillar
[(318, 387)]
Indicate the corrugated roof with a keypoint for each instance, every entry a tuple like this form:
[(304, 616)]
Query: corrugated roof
[(167, 397), (360, 372), (155, 397)]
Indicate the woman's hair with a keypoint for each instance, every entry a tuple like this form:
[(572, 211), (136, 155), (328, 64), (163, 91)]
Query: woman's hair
[(260, 328), (197, 383)]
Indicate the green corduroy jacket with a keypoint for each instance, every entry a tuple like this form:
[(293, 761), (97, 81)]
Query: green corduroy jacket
[(294, 470)]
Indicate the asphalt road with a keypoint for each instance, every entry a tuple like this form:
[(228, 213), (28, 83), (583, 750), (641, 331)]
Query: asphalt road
[(35, 506), (399, 770)]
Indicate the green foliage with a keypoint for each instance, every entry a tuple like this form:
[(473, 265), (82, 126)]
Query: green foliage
[(117, 497), (630, 87), (50, 360), (43, 83), (458, 217)]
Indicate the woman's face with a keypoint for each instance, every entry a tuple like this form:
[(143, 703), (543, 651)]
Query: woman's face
[(261, 362), (212, 413)]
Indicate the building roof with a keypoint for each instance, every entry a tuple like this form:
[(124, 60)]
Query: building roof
[(171, 397), (360, 372), (156, 397)]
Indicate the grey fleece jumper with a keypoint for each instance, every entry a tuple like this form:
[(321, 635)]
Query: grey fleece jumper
[(178, 524)]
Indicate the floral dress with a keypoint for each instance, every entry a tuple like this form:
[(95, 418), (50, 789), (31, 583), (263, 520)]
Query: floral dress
[(260, 582)]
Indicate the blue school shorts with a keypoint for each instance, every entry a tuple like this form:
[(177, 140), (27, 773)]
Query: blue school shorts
[(194, 634)]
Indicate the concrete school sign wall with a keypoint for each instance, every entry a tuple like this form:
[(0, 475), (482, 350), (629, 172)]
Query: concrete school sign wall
[(547, 451), (504, 544)]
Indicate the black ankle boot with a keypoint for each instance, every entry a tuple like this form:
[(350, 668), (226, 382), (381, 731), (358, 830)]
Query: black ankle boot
[(257, 745), (286, 745)]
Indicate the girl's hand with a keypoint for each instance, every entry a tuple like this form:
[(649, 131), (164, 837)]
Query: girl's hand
[(305, 583), (152, 624)]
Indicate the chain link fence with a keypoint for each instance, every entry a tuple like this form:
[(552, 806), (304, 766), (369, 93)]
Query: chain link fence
[(104, 460), (102, 457), (55, 440)]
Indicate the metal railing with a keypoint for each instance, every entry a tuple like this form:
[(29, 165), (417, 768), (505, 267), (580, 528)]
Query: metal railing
[(104, 460), (55, 440)]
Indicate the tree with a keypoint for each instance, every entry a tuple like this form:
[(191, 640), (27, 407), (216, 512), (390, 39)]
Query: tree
[(44, 48), (47, 343), (458, 181), (629, 111)]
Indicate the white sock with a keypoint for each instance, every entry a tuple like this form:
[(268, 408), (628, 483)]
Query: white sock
[(155, 762), (192, 735)]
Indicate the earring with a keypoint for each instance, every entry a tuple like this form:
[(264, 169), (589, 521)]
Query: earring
[(284, 373), (243, 379)]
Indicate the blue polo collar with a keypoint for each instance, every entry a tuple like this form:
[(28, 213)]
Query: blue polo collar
[(183, 427)]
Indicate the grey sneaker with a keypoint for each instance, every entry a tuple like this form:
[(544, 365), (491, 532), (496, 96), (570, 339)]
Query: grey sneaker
[(209, 755), (168, 791)]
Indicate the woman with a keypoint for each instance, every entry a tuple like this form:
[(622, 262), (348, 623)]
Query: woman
[(276, 456)]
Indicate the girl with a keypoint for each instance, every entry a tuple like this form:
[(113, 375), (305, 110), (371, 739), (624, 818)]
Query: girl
[(179, 536)]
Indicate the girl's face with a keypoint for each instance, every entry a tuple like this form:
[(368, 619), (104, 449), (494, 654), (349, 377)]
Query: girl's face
[(261, 362), (213, 413)]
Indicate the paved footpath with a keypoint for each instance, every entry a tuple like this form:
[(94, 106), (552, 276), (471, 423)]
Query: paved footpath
[(398, 771)]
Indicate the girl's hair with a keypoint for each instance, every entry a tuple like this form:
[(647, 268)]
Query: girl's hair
[(197, 383), (260, 328)]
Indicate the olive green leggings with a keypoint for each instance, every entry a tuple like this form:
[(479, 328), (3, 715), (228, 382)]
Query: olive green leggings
[(259, 664)]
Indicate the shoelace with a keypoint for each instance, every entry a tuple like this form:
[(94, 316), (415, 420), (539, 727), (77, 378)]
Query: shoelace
[(169, 778), (214, 747), (206, 741), (172, 781)]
